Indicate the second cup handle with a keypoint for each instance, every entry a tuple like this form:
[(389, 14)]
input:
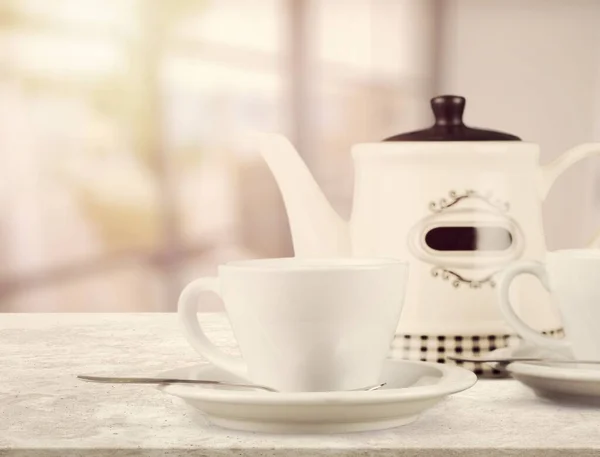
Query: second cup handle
[(522, 328), (187, 309)]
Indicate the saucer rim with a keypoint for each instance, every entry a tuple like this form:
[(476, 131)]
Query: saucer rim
[(558, 373), (453, 380), (545, 371)]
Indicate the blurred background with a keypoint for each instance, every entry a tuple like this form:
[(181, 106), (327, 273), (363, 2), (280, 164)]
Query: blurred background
[(124, 172)]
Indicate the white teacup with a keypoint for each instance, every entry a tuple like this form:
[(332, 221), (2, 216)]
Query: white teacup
[(572, 277), (303, 325)]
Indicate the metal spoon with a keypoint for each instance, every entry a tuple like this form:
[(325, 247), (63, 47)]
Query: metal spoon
[(130, 380), (507, 360)]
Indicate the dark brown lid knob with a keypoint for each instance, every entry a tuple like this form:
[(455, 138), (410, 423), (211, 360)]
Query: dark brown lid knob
[(448, 109), (449, 126)]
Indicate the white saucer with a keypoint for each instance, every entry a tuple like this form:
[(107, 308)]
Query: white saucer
[(412, 387), (563, 383)]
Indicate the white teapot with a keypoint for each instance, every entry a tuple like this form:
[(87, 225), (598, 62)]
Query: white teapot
[(459, 203)]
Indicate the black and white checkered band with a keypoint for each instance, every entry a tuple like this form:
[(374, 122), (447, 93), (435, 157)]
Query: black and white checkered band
[(436, 348)]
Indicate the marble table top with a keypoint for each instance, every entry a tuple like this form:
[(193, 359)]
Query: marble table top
[(45, 410)]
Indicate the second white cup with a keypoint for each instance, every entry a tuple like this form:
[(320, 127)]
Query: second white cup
[(572, 276)]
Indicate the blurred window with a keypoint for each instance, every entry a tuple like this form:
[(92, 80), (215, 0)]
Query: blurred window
[(123, 170)]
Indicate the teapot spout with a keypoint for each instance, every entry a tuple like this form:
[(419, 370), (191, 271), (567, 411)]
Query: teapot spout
[(317, 229)]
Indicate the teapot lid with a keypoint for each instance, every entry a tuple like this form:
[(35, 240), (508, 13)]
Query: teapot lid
[(449, 126)]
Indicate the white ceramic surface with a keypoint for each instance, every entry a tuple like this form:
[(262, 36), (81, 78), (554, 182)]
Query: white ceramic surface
[(559, 383), (303, 325), (412, 387), (404, 190), (573, 278)]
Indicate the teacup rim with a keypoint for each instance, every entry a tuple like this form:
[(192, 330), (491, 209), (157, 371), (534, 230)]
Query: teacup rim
[(314, 263)]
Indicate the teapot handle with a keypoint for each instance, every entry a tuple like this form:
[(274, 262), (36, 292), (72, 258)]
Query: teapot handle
[(554, 169)]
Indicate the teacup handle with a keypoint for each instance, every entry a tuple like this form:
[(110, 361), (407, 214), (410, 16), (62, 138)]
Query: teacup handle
[(187, 310), (524, 330)]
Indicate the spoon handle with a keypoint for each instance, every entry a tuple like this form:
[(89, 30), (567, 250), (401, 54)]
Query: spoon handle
[(520, 359), (130, 380)]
